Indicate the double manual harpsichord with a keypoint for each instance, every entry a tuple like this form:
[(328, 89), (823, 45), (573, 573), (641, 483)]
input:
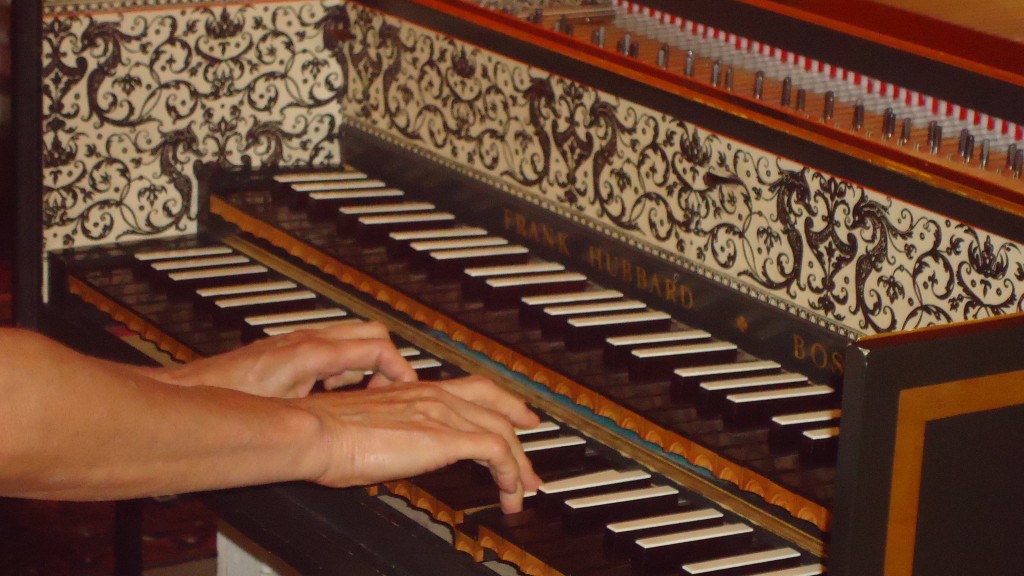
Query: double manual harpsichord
[(757, 262)]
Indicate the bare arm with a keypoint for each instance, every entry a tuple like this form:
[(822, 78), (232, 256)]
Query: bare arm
[(73, 427)]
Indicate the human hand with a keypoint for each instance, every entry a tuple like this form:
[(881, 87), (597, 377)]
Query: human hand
[(390, 432), (288, 366)]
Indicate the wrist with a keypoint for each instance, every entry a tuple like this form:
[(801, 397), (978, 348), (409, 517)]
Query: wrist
[(312, 441)]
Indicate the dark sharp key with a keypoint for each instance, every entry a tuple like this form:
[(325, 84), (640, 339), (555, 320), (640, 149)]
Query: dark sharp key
[(749, 564), (686, 380), (757, 408), (239, 307), (186, 282), (447, 263), (819, 445), (786, 429), (711, 395), (617, 348), (253, 326), (324, 205), (620, 536), (378, 226), (531, 307), (660, 361), (584, 332), (586, 512), (553, 318), (659, 552)]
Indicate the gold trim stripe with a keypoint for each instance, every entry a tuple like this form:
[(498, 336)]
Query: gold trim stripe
[(917, 407)]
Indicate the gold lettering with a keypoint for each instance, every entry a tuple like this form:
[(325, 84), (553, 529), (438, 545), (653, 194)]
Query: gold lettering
[(669, 292), (509, 219), (627, 270), (521, 225), (594, 257), (819, 356), (549, 237), (686, 297), (838, 362), (641, 278), (656, 286), (611, 265), (563, 243), (799, 347)]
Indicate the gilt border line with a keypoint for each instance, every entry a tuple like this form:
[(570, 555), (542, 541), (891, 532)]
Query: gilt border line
[(918, 407)]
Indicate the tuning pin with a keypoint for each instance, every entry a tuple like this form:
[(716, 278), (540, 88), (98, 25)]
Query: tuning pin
[(716, 73), (537, 17), (934, 136), (985, 151), (634, 50), (624, 44), (961, 147), (787, 91), (564, 26), (905, 131), (801, 99), (1011, 151), (597, 37), (858, 115), (663, 56), (728, 78), (1018, 163), (759, 84), (830, 106), (691, 62), (969, 148), (888, 123)]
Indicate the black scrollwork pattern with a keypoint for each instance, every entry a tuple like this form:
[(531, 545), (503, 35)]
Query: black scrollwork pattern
[(132, 100), (847, 257)]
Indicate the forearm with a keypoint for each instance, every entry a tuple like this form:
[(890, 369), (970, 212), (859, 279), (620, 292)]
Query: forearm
[(113, 433)]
